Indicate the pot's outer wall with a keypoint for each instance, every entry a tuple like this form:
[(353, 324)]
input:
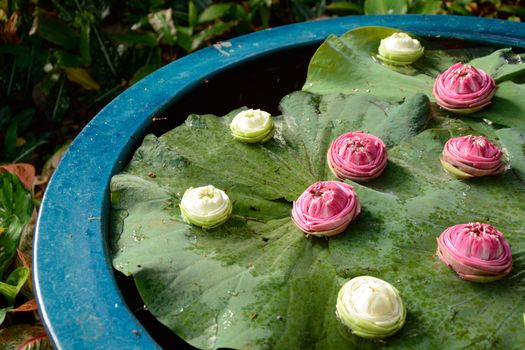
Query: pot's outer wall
[(78, 297)]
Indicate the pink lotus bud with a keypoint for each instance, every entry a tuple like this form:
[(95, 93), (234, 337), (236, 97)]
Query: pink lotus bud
[(325, 208), (464, 89), (357, 156), (469, 156), (477, 252)]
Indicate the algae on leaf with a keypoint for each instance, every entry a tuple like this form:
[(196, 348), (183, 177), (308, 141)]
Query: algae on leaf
[(256, 282)]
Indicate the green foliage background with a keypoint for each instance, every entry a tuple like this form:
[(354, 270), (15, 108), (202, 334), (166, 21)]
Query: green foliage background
[(62, 60)]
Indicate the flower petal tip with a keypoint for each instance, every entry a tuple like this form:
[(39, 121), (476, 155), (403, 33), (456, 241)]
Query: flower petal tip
[(370, 307), (252, 126), (357, 156), (470, 156), (325, 208), (464, 89), (477, 252), (400, 49), (206, 206)]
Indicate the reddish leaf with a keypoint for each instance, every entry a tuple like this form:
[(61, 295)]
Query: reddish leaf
[(22, 258), (25, 172), (24, 337), (39, 342), (50, 166), (28, 306), (8, 33)]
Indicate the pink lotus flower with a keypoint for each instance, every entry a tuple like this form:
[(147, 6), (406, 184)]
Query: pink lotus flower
[(464, 89), (469, 156), (357, 156), (477, 252), (325, 208)]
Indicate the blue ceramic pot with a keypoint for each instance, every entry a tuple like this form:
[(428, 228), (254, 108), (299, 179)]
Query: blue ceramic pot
[(79, 300)]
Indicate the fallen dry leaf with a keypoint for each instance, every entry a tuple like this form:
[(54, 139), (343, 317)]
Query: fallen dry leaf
[(25, 172)]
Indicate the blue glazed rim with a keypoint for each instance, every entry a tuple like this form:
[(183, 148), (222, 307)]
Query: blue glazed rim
[(80, 304)]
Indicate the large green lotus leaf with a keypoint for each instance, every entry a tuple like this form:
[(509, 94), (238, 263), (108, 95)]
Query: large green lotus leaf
[(507, 107), (349, 64), (502, 64), (257, 282), (514, 141)]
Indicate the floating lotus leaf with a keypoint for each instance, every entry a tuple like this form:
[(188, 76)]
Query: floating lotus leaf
[(349, 64), (257, 283)]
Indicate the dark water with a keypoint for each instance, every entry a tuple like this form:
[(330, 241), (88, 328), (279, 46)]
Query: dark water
[(260, 83)]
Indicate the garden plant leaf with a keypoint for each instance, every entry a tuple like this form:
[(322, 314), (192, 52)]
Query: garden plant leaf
[(15, 281), (384, 7), (257, 282), (24, 337), (16, 207)]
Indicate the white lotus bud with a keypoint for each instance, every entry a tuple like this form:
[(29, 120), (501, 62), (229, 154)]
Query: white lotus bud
[(205, 206), (252, 125), (370, 307), (400, 49)]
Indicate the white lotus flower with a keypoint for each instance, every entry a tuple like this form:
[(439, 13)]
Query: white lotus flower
[(400, 49), (205, 206), (370, 307), (252, 125)]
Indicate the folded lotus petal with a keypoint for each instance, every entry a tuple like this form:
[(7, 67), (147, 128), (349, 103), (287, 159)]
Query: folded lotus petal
[(370, 307), (325, 208), (357, 156), (252, 125), (205, 206), (477, 252), (400, 49), (464, 89), (453, 167), (473, 156)]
